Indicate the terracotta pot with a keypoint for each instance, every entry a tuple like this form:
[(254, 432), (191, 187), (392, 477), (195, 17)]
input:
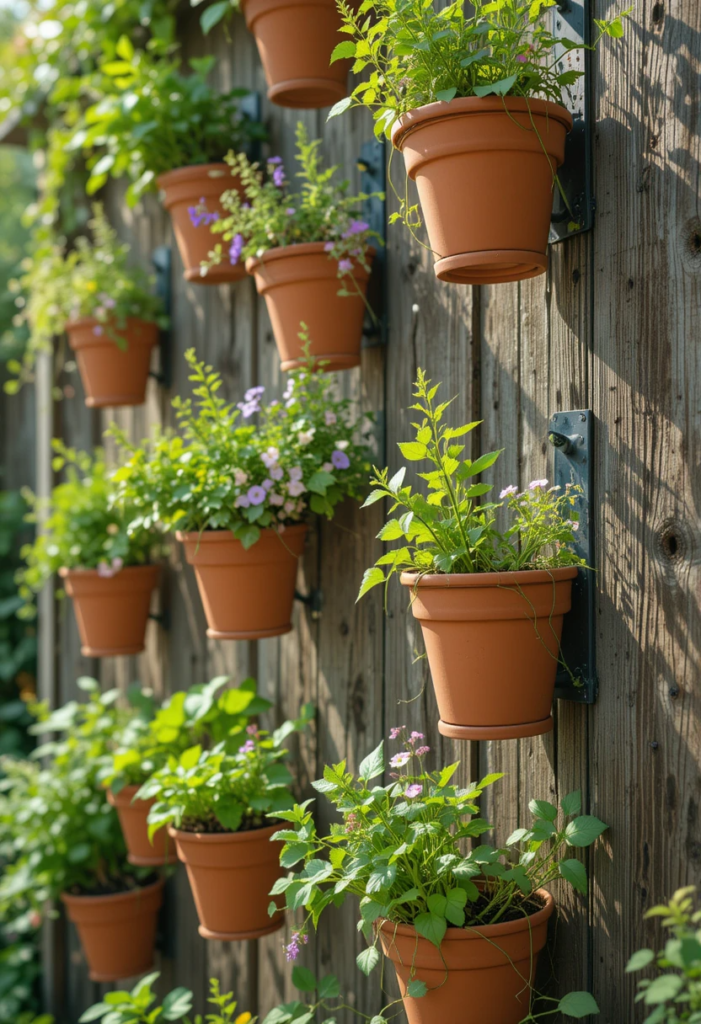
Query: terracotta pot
[(111, 612), (247, 595), (112, 375), (188, 187), (132, 816), (117, 932), (295, 41), (492, 641), (485, 183), (300, 283), (488, 969), (231, 875)]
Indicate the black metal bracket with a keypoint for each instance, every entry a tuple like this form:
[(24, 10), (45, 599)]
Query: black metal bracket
[(314, 601), (252, 107), (162, 260), (372, 164), (162, 618), (571, 435), (571, 20)]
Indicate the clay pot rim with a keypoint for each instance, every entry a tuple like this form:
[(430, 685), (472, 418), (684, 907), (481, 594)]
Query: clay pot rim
[(223, 837), (114, 897), (190, 172), (280, 252), (91, 321), (463, 580), (221, 536), (419, 117), (483, 931), (65, 573)]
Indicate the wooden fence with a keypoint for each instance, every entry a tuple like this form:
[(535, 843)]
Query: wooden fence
[(614, 327)]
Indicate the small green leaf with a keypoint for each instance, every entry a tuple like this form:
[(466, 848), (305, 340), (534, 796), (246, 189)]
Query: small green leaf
[(432, 927), (416, 989), (575, 873), (584, 830), (371, 578), (343, 51), (413, 450), (340, 107), (368, 960), (663, 988), (543, 809), (572, 803), (578, 1004), (373, 765), (446, 95), (213, 15), (642, 958), (303, 979)]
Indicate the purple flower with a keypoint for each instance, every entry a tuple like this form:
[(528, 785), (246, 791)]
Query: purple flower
[(522, 58), (256, 495), (201, 215), (512, 489), (293, 950), (248, 747), (275, 160), (290, 211), (345, 266), (396, 732), (400, 759), (279, 177), (254, 393), (98, 330), (195, 217), (421, 751), (242, 502), (248, 409), (414, 790), (295, 473), (535, 484), (108, 302), (356, 227), (236, 249), (328, 246), (340, 460), (277, 472)]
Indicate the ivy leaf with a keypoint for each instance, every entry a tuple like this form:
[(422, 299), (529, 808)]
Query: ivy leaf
[(368, 960), (578, 1004), (416, 989)]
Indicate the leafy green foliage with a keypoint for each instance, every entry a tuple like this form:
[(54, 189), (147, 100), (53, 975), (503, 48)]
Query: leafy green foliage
[(399, 850), (18, 644), (148, 117), (83, 525), (229, 787), (266, 214), (220, 473), (215, 13), (56, 819), (450, 529), (409, 54), (673, 996)]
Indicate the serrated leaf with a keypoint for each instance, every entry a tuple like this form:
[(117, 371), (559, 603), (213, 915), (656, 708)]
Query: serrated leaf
[(416, 989), (543, 809), (343, 51), (572, 803), (371, 578), (413, 450), (368, 960)]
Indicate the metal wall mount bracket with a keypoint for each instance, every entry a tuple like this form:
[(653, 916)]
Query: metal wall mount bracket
[(571, 19), (162, 260), (314, 601), (571, 435), (372, 164)]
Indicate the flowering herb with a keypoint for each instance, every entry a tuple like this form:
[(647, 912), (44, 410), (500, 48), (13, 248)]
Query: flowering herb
[(206, 714), (267, 214), (230, 787), (225, 473), (398, 850), (83, 526), (148, 118), (449, 529)]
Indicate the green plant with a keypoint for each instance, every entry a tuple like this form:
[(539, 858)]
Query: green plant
[(398, 850), (148, 118), (18, 643), (449, 530), (91, 279), (82, 525), (674, 995), (205, 713), (228, 788), (267, 214), (215, 12), (225, 474), (65, 836)]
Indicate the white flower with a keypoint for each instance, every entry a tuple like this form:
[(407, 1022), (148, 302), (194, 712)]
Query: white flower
[(328, 467), (276, 472), (330, 418), (307, 436), (295, 473), (295, 488), (240, 476), (270, 457), (289, 507), (342, 445)]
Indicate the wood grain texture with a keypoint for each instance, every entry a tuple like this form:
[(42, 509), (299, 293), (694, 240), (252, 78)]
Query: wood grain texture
[(613, 326)]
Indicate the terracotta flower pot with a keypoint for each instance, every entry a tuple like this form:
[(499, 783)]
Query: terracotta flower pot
[(485, 183), (198, 189), (112, 375), (492, 641), (231, 875), (247, 594), (132, 817), (117, 932), (300, 283), (111, 612), (488, 969), (295, 41)]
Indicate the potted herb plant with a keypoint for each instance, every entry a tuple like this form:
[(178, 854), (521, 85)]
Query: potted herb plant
[(491, 601), (69, 843), (473, 101), (463, 929), (104, 305), (203, 713), (104, 561), (310, 253), (171, 130), (238, 494), (295, 40), (215, 802)]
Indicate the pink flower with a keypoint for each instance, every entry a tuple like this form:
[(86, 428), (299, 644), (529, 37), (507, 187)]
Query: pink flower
[(330, 418), (270, 457), (267, 484), (293, 950), (396, 732), (295, 473), (296, 488), (289, 507), (512, 489), (352, 822), (414, 790), (104, 570), (276, 472), (416, 736), (275, 499), (421, 751), (400, 759), (98, 330), (248, 747), (240, 476), (290, 211), (256, 495), (252, 729), (345, 266), (328, 246), (522, 58), (327, 467), (535, 484), (306, 436)]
